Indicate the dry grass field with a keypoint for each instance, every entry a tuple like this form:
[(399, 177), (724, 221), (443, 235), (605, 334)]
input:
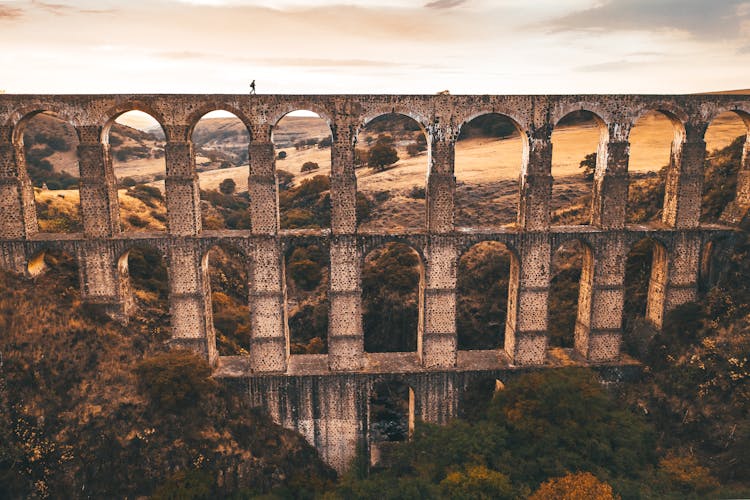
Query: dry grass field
[(486, 170)]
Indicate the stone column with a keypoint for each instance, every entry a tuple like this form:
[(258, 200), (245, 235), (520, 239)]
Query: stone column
[(610, 195), (683, 270), (345, 333), (182, 190), (684, 183), (189, 301), (526, 337), (269, 335), (601, 297), (536, 186), (98, 189), (16, 193), (103, 280), (17, 209), (439, 342), (441, 182)]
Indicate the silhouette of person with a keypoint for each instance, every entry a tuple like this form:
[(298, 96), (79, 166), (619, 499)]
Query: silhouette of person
[(252, 87)]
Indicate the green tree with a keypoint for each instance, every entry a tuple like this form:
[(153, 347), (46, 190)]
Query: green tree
[(588, 164), (382, 155)]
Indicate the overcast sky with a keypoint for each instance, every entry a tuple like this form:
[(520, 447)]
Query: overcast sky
[(374, 46)]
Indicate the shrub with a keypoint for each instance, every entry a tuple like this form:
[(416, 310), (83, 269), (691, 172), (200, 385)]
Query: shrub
[(227, 186), (175, 380), (583, 485), (281, 155), (309, 166), (306, 273), (128, 182)]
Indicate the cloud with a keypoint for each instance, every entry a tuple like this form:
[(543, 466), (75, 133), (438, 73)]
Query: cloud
[(609, 66), (444, 4), (716, 19), (281, 61), (8, 13), (60, 9)]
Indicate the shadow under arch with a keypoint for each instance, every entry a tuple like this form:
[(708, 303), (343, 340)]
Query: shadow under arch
[(307, 274), (655, 137), (144, 285), (645, 281), (489, 190), (225, 272), (726, 176), (580, 137), (393, 283), (485, 277), (391, 417), (569, 300)]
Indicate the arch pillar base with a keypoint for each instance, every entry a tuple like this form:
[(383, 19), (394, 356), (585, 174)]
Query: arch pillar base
[(526, 337)]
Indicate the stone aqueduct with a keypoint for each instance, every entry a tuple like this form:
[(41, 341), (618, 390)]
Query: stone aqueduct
[(326, 397)]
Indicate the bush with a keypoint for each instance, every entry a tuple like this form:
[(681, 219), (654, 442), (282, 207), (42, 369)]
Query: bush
[(382, 155), (583, 485), (227, 186), (128, 182), (281, 155), (306, 273), (176, 380), (309, 166)]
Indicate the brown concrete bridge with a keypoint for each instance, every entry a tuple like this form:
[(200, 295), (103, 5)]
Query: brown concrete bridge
[(326, 397)]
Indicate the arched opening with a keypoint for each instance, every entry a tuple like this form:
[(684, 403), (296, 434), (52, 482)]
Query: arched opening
[(489, 157), (227, 273), (476, 398), (144, 278), (136, 144), (302, 142), (566, 273), (392, 298), (220, 143), (57, 267), (391, 417), (307, 273), (726, 139), (482, 295), (391, 165), (575, 143), (645, 274), (653, 138), (51, 160)]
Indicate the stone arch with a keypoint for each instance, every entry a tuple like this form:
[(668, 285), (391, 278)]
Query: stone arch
[(283, 109), (195, 117), (402, 110), (600, 112), (115, 112), (159, 285), (228, 292), (724, 131), (657, 269), (573, 261), (306, 269), (34, 219), (36, 264), (400, 174), (393, 289), (577, 202), (491, 190), (484, 296), (21, 118), (391, 408)]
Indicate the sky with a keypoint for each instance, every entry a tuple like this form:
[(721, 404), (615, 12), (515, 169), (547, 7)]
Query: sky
[(374, 46)]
